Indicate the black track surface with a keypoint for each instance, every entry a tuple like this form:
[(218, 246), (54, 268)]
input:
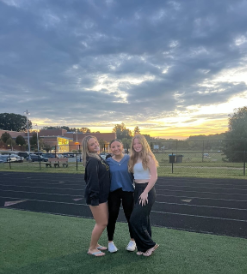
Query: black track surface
[(217, 206)]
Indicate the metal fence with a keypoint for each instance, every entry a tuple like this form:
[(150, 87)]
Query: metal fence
[(196, 162), (172, 160)]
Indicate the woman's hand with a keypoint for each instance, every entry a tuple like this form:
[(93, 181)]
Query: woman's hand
[(143, 199)]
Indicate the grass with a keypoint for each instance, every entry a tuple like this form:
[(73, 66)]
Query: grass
[(191, 166), (35, 167), (43, 243), (179, 170)]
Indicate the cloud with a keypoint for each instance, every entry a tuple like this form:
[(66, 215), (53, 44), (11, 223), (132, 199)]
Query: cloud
[(88, 62)]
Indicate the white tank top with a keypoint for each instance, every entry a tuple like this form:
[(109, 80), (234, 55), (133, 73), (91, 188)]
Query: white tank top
[(140, 173)]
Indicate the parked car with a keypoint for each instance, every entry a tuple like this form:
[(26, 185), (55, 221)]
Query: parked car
[(1, 161), (36, 158), (18, 158), (38, 153), (68, 155), (103, 155), (23, 154), (7, 158), (48, 155)]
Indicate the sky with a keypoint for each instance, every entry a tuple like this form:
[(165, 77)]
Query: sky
[(172, 68)]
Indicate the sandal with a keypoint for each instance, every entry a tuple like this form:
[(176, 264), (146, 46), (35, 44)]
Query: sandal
[(96, 254), (139, 253), (150, 251), (100, 247)]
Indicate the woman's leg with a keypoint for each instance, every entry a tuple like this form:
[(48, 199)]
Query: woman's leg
[(114, 202), (128, 205), (139, 221), (100, 214)]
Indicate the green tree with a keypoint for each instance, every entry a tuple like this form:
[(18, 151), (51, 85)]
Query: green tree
[(15, 122), (122, 131), (137, 130), (85, 130), (126, 143), (235, 142), (68, 128), (20, 140), (33, 139), (47, 147), (65, 127), (5, 136), (51, 127), (10, 142), (148, 137)]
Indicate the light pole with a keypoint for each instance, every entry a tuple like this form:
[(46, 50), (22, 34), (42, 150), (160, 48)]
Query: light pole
[(28, 113), (37, 136)]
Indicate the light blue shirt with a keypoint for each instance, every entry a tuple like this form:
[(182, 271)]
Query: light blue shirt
[(120, 176)]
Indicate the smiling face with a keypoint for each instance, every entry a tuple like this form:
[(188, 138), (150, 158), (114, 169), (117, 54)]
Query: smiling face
[(116, 148), (137, 146), (93, 145)]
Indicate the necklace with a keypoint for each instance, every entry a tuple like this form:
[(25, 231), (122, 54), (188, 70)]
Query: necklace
[(118, 159)]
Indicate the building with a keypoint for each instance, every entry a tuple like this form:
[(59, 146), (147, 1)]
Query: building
[(63, 141)]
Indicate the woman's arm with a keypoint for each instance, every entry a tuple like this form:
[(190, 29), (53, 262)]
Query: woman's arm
[(151, 182), (93, 181)]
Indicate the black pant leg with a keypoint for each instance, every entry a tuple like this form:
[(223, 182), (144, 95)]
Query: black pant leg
[(128, 205), (140, 222), (114, 202)]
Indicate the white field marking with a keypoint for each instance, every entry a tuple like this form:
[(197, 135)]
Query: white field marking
[(10, 203)]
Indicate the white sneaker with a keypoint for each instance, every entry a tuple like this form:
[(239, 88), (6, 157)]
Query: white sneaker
[(112, 248), (131, 246)]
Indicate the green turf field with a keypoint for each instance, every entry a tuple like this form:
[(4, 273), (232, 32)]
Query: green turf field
[(33, 243)]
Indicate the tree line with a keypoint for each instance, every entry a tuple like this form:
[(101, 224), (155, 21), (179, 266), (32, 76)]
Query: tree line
[(232, 143)]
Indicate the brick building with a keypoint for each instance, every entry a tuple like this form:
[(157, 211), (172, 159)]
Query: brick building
[(62, 140)]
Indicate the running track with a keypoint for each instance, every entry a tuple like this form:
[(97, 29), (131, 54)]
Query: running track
[(217, 206)]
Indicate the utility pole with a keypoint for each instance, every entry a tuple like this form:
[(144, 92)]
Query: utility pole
[(28, 113)]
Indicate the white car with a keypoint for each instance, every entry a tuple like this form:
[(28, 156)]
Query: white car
[(103, 155), (7, 158), (18, 158)]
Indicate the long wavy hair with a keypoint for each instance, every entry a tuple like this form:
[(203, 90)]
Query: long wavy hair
[(144, 154), (85, 151)]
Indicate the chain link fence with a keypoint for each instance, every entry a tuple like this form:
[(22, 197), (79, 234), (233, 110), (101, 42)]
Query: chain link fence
[(172, 156)]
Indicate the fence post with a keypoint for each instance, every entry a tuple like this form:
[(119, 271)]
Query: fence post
[(76, 161), (80, 152), (172, 162), (244, 162), (9, 162), (202, 150)]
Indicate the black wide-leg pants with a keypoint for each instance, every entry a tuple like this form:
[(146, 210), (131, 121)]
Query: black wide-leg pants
[(140, 220), (114, 202)]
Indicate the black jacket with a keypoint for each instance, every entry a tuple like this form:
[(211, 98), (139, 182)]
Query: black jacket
[(97, 178)]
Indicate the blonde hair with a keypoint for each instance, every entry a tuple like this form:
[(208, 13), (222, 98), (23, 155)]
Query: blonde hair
[(85, 151), (144, 154)]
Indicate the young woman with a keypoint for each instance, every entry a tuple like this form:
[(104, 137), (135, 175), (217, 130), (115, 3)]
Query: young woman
[(144, 166), (121, 190), (97, 178)]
